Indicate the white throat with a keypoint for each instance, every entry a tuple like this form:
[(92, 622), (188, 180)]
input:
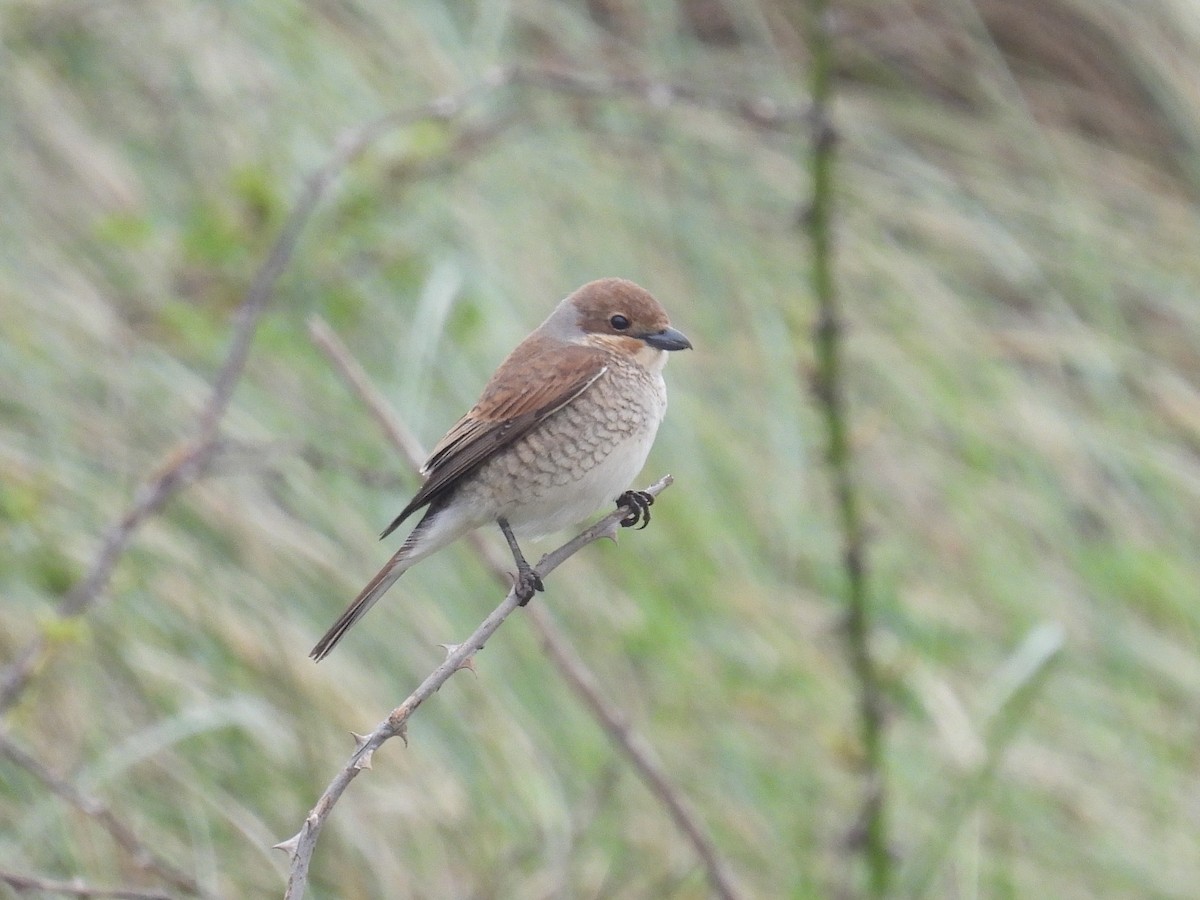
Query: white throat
[(651, 358)]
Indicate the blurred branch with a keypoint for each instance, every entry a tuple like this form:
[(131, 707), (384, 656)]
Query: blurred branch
[(558, 648), (760, 111), (300, 846), (353, 373), (143, 857), (871, 829), (22, 883), (179, 468), (182, 465), (639, 753), (1020, 680)]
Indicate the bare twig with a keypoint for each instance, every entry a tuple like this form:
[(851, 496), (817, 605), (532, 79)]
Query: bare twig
[(871, 830), (300, 846), (143, 857), (760, 111), (22, 883), (558, 648)]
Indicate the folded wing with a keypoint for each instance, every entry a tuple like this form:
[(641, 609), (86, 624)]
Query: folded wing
[(527, 388)]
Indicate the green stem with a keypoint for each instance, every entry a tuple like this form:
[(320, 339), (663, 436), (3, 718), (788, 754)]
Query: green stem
[(830, 392)]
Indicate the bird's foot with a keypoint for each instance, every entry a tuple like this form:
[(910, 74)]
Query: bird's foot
[(639, 503), (528, 581)]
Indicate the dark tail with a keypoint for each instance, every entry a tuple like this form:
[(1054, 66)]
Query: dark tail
[(387, 576), (434, 531)]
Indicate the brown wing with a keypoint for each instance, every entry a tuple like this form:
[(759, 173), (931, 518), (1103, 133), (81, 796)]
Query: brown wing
[(538, 378)]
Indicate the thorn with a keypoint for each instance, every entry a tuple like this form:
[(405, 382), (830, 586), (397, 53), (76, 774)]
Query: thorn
[(399, 730), (468, 663), (364, 761), (290, 846)]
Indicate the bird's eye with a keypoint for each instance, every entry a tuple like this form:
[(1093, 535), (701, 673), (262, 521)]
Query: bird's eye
[(619, 322)]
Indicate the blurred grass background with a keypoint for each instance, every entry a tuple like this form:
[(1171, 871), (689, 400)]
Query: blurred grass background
[(1019, 258)]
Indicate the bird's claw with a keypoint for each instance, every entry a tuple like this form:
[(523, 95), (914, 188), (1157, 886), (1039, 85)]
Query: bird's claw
[(527, 583), (639, 503)]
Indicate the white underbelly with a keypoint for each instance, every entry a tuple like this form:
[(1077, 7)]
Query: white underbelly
[(571, 503)]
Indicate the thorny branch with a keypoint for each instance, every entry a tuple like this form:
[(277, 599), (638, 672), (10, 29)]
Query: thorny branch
[(192, 459), (558, 648), (300, 847)]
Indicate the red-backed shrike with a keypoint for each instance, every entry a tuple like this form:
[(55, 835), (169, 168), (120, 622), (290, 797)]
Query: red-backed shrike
[(561, 429)]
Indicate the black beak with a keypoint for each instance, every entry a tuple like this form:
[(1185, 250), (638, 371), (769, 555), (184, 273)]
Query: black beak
[(668, 339)]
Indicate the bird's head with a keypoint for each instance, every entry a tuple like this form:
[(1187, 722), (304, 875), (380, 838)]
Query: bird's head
[(619, 315)]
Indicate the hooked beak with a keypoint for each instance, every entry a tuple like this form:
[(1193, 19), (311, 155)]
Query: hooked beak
[(667, 339)]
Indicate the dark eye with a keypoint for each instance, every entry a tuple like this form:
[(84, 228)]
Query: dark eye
[(619, 322)]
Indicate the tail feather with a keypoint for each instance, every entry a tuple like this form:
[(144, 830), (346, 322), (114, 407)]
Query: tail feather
[(375, 589), (439, 526)]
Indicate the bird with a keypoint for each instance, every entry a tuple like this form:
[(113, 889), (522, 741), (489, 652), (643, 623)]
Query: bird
[(561, 428)]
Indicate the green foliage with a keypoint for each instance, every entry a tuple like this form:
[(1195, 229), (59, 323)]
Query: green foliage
[(1019, 273)]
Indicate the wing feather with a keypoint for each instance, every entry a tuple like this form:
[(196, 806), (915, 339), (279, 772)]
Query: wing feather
[(538, 379)]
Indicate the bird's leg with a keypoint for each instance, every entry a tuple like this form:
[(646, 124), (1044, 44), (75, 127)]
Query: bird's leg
[(528, 581), (639, 503)]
